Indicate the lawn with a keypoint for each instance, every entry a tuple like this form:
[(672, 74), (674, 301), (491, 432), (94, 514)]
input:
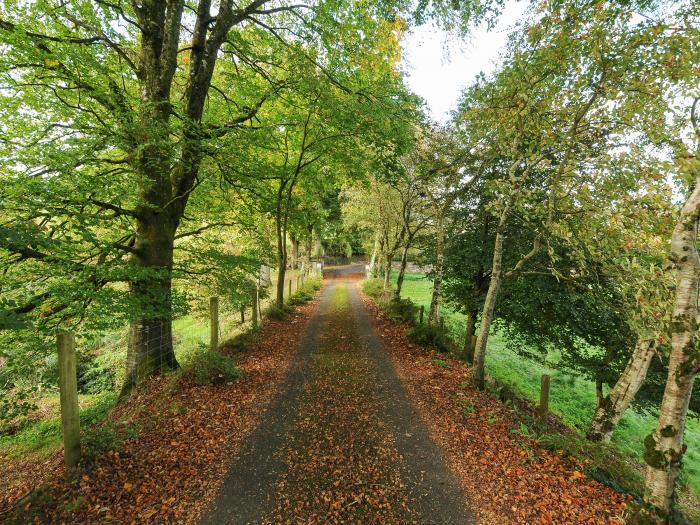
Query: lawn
[(571, 398)]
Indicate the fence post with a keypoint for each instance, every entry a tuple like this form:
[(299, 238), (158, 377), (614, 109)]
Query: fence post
[(68, 388), (298, 277), (255, 306), (242, 313), (214, 323), (422, 311), (290, 289), (544, 397)]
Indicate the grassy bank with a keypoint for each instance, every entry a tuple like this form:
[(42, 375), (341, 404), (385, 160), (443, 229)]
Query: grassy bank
[(571, 398), (39, 433)]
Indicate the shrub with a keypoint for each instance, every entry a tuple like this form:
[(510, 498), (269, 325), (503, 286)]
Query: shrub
[(430, 336), (275, 312), (213, 368), (373, 287), (95, 375), (98, 440), (242, 341), (403, 310)]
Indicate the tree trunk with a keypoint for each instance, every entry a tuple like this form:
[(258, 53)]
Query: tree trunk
[(387, 272), (433, 316), (281, 258), (612, 407), (479, 369), (402, 271), (150, 348), (664, 448), (295, 252), (468, 353), (372, 271)]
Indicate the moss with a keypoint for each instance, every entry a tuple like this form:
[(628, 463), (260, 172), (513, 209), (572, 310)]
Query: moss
[(652, 455), (669, 431)]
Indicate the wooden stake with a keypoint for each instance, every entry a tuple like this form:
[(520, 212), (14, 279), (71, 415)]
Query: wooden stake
[(68, 389), (214, 323), (242, 313), (544, 397), (422, 311), (290, 288)]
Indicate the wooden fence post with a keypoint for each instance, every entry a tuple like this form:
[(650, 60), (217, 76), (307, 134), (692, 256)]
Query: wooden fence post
[(255, 306), (242, 313), (544, 397), (214, 323), (290, 289), (298, 277), (68, 389)]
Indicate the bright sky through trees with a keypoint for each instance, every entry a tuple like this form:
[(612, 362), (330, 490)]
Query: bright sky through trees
[(439, 66)]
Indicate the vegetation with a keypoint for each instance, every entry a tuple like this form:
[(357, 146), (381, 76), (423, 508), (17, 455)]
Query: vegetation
[(155, 154), (572, 399)]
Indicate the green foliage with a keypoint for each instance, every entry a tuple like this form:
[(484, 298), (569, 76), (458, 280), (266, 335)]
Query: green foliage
[(96, 441), (604, 462), (306, 292), (430, 336), (211, 367), (374, 288), (441, 363), (401, 310), (572, 398), (276, 313), (43, 436)]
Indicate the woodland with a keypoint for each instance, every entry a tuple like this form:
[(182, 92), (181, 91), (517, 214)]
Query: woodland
[(156, 153)]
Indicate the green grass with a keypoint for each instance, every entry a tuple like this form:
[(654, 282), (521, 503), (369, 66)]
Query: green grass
[(40, 437), (571, 398)]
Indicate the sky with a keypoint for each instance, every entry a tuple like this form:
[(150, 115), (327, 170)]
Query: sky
[(438, 66)]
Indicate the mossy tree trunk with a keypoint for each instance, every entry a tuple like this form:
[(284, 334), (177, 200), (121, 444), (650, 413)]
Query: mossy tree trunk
[(479, 371), (434, 315), (611, 408), (664, 448), (468, 348), (402, 270)]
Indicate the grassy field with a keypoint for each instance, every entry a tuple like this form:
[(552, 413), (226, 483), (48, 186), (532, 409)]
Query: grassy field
[(571, 398)]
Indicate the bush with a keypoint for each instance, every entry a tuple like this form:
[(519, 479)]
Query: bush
[(242, 341), (373, 287), (430, 336), (402, 310), (213, 368), (95, 375), (97, 441), (275, 312)]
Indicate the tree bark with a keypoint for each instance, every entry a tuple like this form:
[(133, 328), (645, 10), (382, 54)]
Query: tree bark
[(433, 316), (387, 272), (664, 448), (402, 271), (612, 407), (295, 252), (372, 271), (468, 353), (150, 349), (478, 371), (281, 252)]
